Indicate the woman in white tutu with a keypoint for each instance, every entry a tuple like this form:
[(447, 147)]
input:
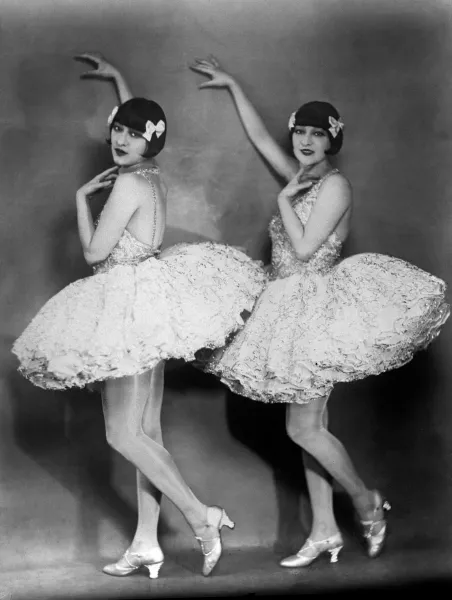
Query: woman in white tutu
[(137, 310), (321, 321)]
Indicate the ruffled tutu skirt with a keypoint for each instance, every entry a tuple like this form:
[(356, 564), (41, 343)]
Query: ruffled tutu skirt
[(369, 314), (124, 321)]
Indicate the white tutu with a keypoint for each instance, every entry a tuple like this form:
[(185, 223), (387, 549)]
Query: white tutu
[(125, 320)]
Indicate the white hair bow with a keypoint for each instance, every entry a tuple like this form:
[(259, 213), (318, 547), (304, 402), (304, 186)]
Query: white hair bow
[(336, 126), (151, 129), (292, 120), (112, 115)]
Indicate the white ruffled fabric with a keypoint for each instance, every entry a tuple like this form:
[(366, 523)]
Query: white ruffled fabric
[(368, 314), (125, 320)]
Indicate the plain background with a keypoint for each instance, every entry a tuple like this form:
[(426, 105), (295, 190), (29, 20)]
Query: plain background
[(387, 66)]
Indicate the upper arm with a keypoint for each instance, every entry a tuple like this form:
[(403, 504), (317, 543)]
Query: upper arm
[(125, 198), (333, 201), (284, 164)]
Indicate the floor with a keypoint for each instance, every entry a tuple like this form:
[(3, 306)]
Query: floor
[(243, 574)]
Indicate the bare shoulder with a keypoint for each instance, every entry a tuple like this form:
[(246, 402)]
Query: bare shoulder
[(339, 186), (133, 185)]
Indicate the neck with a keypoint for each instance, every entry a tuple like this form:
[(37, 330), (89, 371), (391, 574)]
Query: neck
[(147, 163), (318, 170)]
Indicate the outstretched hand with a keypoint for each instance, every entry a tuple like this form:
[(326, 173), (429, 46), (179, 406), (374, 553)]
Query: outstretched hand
[(102, 68), (101, 182), (211, 68)]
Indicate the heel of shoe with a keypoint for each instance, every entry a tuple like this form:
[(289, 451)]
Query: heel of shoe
[(334, 554), (226, 521), (154, 569)]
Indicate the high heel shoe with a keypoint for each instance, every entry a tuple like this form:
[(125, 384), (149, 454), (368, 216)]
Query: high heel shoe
[(212, 556), (376, 540), (333, 545), (152, 561)]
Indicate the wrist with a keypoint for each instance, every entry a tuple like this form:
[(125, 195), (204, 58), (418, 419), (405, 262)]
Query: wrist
[(232, 85), (81, 197)]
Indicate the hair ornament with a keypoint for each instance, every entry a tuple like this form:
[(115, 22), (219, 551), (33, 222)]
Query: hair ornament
[(151, 129), (292, 120), (336, 126), (112, 115)]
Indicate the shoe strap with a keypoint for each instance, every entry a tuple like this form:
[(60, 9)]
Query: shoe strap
[(309, 543), (202, 542), (125, 556)]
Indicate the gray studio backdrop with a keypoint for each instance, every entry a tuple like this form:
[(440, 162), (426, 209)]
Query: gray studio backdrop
[(387, 66)]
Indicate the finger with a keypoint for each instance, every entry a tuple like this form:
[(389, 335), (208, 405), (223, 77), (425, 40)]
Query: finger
[(110, 170), (195, 68), (200, 68), (214, 61), (86, 58), (207, 84), (204, 63), (205, 72)]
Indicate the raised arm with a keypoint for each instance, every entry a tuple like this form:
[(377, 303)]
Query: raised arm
[(106, 71), (283, 163)]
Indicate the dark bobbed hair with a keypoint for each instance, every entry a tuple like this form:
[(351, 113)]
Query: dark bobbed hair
[(135, 113), (317, 114)]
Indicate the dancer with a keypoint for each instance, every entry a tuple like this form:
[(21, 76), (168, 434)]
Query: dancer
[(320, 320), (136, 311)]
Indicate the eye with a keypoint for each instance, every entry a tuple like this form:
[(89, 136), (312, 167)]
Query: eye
[(116, 127), (299, 130), (134, 134), (320, 133)]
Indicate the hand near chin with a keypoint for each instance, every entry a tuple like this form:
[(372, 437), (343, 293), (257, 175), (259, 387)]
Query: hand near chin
[(305, 174), (102, 69), (300, 183), (101, 182)]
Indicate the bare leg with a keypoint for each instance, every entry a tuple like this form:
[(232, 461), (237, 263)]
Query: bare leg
[(148, 495), (306, 428), (125, 402), (321, 495)]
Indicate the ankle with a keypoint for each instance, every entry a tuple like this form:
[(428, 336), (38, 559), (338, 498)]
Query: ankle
[(366, 504), (323, 531), (142, 545)]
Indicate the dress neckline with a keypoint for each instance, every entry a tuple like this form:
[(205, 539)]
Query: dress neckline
[(146, 165)]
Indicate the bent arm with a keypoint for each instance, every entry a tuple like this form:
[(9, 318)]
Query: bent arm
[(281, 161), (333, 202), (124, 200), (105, 71)]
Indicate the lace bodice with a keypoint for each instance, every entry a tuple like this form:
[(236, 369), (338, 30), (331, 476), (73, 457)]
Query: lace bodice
[(129, 250), (284, 261)]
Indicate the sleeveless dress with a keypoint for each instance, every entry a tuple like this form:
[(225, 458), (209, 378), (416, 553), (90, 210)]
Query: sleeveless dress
[(137, 309), (324, 321)]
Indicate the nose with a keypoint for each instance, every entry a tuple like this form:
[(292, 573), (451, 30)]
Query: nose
[(121, 138), (306, 139)]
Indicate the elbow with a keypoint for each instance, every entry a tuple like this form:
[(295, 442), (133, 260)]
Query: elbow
[(92, 258), (303, 253)]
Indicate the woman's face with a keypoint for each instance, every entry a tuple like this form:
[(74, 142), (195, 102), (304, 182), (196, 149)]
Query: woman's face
[(127, 146), (310, 144)]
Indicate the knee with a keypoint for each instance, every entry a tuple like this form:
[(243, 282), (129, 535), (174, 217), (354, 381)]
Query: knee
[(302, 432), (119, 440), (151, 430)]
